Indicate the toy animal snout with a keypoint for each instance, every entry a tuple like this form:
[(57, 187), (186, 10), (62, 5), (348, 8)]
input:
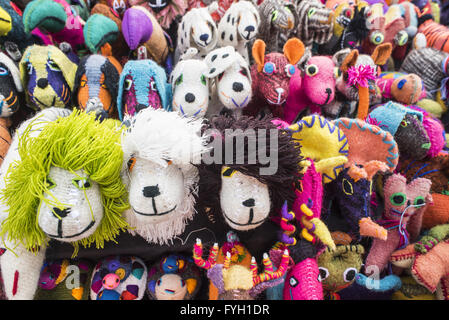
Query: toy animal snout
[(111, 281)]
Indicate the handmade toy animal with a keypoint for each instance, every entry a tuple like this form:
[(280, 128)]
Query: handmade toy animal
[(197, 29), (435, 33), (277, 17), (77, 191), (404, 207), (401, 87), (406, 126), (119, 278), (174, 277), (242, 195), (161, 178), (143, 33), (96, 85), (271, 77), (190, 86), (98, 30), (48, 77), (164, 11), (237, 282), (238, 27), (230, 75), (315, 89), (119, 6), (142, 84), (12, 29)]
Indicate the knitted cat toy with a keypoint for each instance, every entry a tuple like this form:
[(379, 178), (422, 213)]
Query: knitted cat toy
[(277, 17), (271, 77), (142, 84), (239, 27), (48, 77), (160, 150), (315, 88), (63, 168), (96, 85), (404, 207), (230, 78), (190, 86)]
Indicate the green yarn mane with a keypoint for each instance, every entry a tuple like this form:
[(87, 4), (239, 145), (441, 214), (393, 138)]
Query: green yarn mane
[(72, 143)]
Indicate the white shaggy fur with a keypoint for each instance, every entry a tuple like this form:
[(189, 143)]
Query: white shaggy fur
[(190, 86), (165, 146), (198, 30), (239, 26), (231, 81)]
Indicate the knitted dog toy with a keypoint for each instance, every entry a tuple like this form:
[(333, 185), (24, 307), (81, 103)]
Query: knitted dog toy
[(142, 84), (271, 77), (198, 30), (231, 78), (237, 282), (67, 169), (277, 17), (55, 278), (119, 278), (404, 207), (174, 277), (315, 89), (119, 6), (238, 27), (96, 85), (165, 11), (190, 86), (12, 28), (406, 126), (160, 149), (401, 87), (48, 77), (143, 33)]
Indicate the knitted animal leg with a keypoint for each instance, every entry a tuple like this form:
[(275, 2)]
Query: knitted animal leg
[(363, 103), (404, 258), (302, 282), (428, 269), (20, 272), (380, 252)]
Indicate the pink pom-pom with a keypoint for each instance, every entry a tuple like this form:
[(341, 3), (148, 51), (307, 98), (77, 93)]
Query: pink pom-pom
[(360, 75)]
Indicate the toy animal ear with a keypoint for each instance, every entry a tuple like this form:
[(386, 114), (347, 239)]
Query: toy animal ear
[(294, 50), (349, 61), (259, 53), (374, 166), (382, 53)]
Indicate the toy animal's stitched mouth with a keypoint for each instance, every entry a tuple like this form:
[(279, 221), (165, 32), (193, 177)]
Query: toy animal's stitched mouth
[(276, 103), (249, 223), (60, 236), (169, 291), (154, 214), (238, 106), (52, 104)]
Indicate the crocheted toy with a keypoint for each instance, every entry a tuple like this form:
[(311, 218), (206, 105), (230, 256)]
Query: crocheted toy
[(48, 77), (339, 268), (231, 78), (60, 161), (56, 18), (142, 84), (406, 126), (243, 194), (160, 149), (143, 34), (271, 77), (99, 30), (12, 29), (315, 88), (165, 11), (198, 30), (190, 86), (357, 80), (174, 277), (314, 22), (401, 87), (402, 217), (58, 280), (236, 282), (239, 26), (96, 85), (119, 278), (119, 6), (435, 33)]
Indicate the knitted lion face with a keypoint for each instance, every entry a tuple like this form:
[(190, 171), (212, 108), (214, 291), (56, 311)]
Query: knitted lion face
[(67, 178), (160, 149)]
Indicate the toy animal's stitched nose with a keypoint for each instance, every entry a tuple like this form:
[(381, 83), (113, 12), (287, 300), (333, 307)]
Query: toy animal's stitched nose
[(140, 107), (58, 213), (249, 202), (204, 37), (250, 28), (42, 83), (280, 91), (237, 86), (190, 97), (151, 191), (328, 90)]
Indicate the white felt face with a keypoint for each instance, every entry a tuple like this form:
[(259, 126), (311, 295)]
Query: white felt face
[(190, 88), (203, 32), (245, 201), (248, 24), (170, 287), (234, 87), (82, 207), (155, 192)]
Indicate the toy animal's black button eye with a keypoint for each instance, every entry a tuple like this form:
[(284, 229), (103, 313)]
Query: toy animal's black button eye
[(349, 274), (398, 199), (347, 187), (324, 273)]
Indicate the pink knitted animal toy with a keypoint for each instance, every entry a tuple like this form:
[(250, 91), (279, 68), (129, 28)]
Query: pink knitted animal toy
[(316, 87)]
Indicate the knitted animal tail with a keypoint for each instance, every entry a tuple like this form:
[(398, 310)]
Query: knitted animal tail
[(362, 111), (302, 282)]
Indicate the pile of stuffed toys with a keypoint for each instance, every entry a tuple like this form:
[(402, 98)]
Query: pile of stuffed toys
[(116, 118)]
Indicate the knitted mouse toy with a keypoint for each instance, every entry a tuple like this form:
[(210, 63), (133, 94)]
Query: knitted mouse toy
[(401, 87)]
